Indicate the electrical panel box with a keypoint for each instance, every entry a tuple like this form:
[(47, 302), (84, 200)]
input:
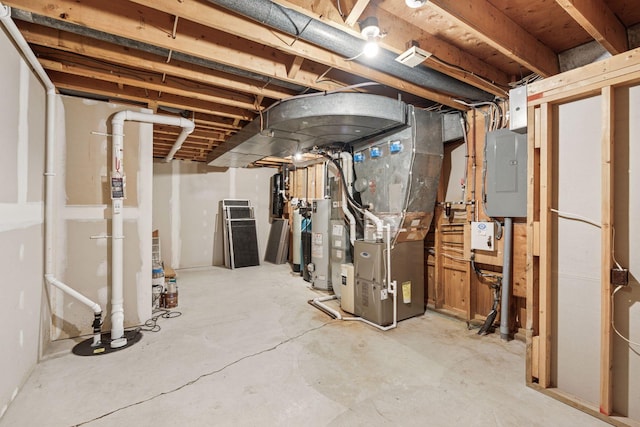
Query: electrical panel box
[(518, 109), (506, 174), (483, 236)]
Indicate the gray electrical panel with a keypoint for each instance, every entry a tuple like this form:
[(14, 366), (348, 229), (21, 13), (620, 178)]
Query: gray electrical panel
[(506, 174)]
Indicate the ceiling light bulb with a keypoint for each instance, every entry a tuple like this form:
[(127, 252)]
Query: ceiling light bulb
[(371, 48), (414, 4), (297, 156)]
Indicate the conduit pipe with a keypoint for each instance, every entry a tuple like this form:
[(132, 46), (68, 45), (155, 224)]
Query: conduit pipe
[(505, 333), (346, 45), (49, 173), (117, 171)]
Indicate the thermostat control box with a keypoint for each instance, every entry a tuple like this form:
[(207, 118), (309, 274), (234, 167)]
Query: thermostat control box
[(483, 236)]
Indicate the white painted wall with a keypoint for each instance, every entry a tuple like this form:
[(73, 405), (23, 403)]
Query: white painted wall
[(22, 120), (186, 197)]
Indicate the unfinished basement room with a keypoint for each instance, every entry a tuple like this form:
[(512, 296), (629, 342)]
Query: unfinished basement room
[(320, 213)]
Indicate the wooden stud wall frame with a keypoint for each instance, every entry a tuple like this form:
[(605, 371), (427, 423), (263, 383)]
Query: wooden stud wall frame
[(598, 79)]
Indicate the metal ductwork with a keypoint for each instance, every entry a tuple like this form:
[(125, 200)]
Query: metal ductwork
[(314, 31), (301, 123), (145, 47)]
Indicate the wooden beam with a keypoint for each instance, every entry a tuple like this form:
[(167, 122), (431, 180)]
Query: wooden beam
[(496, 29), (447, 58), (599, 21), (295, 66), (147, 81), (68, 42), (588, 80), (152, 26), (546, 243), (111, 90), (214, 17), (533, 175), (607, 190), (356, 12)]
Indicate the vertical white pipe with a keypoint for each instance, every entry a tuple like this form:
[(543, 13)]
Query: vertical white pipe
[(49, 173), (117, 206), (347, 170), (117, 236)]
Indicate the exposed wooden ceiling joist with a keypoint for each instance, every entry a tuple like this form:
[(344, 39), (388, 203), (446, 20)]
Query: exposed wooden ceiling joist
[(210, 16), (599, 21), (197, 60), (114, 74), (140, 95), (151, 26), (399, 34), (68, 42), (493, 27)]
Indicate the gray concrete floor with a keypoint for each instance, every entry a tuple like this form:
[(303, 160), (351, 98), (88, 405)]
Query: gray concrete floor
[(249, 351)]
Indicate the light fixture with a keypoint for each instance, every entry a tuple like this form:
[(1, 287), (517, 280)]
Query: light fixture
[(414, 4), (370, 30), (298, 156)]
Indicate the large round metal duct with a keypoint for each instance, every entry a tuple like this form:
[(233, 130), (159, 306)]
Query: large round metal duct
[(304, 122), (316, 32)]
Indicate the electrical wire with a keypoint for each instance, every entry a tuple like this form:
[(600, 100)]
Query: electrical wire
[(151, 325), (613, 325), (576, 217)]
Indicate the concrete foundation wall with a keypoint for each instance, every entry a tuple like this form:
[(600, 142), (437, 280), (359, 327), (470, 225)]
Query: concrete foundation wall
[(22, 120), (185, 209)]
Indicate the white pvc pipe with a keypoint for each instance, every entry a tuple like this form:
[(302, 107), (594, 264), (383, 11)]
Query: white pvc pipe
[(117, 222), (348, 178), (319, 303), (377, 221), (21, 43)]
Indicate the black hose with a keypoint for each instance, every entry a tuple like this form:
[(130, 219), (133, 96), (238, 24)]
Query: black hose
[(344, 182)]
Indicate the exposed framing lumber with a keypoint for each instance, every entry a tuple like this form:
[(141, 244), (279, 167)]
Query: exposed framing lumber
[(150, 82), (545, 139), (606, 343), (111, 90), (599, 21), (462, 66), (213, 17), (493, 27), (356, 12), (596, 79), (148, 25), (533, 236), (588, 80), (69, 42)]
